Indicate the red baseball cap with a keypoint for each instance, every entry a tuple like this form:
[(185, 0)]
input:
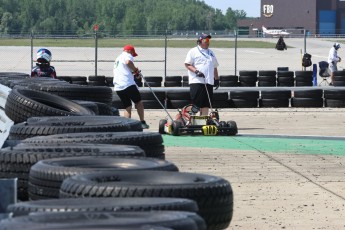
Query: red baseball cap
[(130, 48)]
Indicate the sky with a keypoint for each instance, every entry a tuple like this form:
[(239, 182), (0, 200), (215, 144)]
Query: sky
[(251, 7)]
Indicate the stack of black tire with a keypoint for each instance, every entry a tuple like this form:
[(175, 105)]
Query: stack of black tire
[(150, 101), (79, 80), (339, 78), (109, 81), (153, 81), (285, 78), (248, 78), (220, 100), (177, 99), (275, 98), (244, 99), (106, 166), (185, 81), (310, 98), (267, 78), (304, 78), (228, 81), (334, 98), (173, 81), (96, 80)]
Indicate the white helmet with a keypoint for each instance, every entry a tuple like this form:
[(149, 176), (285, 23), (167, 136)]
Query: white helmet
[(336, 46), (44, 55)]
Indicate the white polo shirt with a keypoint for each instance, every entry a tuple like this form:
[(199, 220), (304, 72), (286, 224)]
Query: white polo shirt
[(203, 60), (123, 77)]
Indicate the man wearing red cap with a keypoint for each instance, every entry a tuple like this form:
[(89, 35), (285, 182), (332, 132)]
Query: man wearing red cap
[(124, 84), (202, 73)]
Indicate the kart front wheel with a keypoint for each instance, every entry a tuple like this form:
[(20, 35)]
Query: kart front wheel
[(176, 125), (232, 128), (161, 126)]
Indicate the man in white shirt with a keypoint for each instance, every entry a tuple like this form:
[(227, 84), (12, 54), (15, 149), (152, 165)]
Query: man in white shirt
[(333, 59), (202, 74), (124, 84)]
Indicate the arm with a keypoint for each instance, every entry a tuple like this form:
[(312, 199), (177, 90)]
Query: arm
[(190, 67), (216, 76)]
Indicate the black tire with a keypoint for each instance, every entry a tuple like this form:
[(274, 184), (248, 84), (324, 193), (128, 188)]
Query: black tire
[(172, 84), (274, 103), (177, 104), (148, 95), (334, 93), (304, 74), (178, 95), (46, 176), (103, 204), (44, 126), (91, 105), (216, 209), (252, 73), (173, 78), (228, 83), (102, 94), (243, 103), (267, 73), (267, 78), (288, 74), (339, 83), (307, 102), (232, 128), (24, 103), (161, 126), (15, 162), (177, 220), (303, 83), (275, 94), (267, 84), (152, 84), (176, 125), (150, 142), (335, 103), (308, 93), (152, 104), (228, 78), (234, 94), (339, 73)]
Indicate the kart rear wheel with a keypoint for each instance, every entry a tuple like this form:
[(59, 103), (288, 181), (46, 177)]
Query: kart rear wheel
[(176, 125), (223, 124), (161, 126), (232, 128)]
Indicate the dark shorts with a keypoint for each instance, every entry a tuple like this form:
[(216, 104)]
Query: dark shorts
[(128, 95), (199, 95)]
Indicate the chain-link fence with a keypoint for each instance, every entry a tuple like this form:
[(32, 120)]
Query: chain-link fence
[(164, 58)]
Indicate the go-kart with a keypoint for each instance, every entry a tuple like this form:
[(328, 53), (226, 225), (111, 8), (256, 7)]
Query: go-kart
[(187, 122)]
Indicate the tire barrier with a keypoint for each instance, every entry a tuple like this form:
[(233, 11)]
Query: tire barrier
[(153, 220), (44, 126), (105, 204), (46, 176), (215, 209), (23, 103), (150, 142), (16, 161)]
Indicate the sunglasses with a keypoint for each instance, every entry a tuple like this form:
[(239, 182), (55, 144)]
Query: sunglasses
[(205, 40)]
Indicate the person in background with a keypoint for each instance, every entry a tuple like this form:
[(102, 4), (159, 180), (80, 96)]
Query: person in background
[(333, 59), (202, 73), (281, 44), (124, 73), (43, 67)]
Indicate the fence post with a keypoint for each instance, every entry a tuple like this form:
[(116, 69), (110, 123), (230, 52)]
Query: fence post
[(96, 52), (236, 33), (305, 44), (165, 54), (32, 50)]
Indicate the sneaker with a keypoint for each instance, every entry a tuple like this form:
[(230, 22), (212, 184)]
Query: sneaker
[(144, 125)]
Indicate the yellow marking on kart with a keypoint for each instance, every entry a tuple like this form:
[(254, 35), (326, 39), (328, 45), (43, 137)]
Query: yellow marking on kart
[(209, 130)]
